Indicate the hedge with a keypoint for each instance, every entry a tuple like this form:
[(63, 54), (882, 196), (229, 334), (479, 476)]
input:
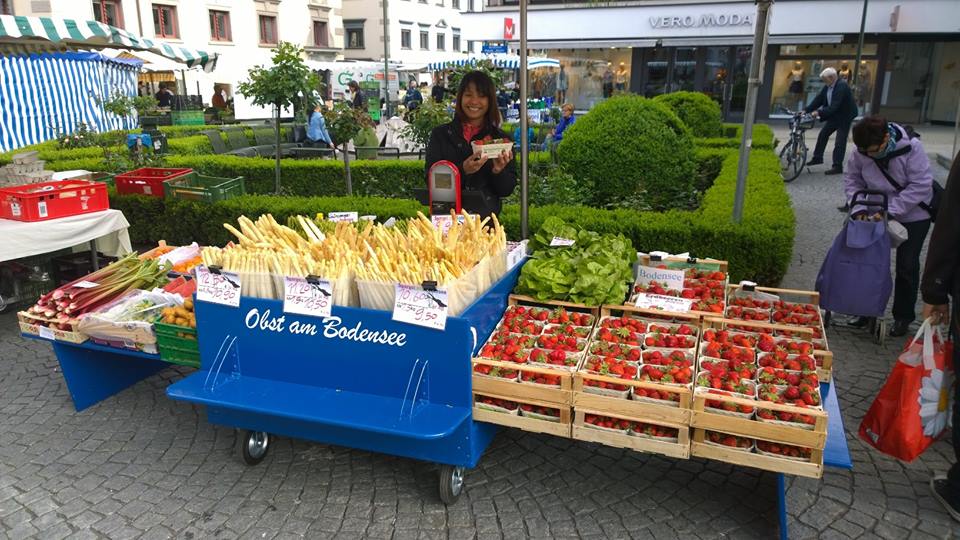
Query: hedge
[(759, 248), (763, 138), (697, 110)]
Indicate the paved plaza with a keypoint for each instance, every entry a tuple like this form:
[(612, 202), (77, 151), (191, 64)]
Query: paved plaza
[(141, 465)]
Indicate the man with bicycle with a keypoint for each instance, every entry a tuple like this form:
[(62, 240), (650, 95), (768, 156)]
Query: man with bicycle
[(835, 106)]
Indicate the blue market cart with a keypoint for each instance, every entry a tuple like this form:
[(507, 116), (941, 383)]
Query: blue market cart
[(356, 379)]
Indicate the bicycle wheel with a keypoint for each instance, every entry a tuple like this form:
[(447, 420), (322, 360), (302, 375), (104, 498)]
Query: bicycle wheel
[(793, 156)]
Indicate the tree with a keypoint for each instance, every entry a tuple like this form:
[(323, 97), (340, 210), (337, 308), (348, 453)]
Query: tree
[(125, 106), (423, 120), (485, 65), (343, 123), (282, 85)]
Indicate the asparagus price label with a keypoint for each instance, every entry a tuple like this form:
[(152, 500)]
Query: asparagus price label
[(559, 241), (350, 217), (516, 251), (313, 298), (665, 303), (414, 305), (445, 221), (218, 288)]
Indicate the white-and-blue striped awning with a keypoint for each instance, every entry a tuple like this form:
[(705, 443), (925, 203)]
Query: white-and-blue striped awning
[(25, 35), (46, 95), (503, 61)]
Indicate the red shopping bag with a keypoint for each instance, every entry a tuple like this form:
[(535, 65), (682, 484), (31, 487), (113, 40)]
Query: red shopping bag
[(913, 407)]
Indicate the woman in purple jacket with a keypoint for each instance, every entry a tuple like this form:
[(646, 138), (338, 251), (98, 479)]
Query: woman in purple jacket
[(888, 160)]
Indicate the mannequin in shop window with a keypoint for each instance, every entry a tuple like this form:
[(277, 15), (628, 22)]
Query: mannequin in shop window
[(621, 78), (608, 82), (844, 72), (562, 84), (796, 78)]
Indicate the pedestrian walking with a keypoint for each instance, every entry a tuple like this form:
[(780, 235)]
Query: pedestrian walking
[(359, 101), (834, 105), (889, 160), (941, 281)]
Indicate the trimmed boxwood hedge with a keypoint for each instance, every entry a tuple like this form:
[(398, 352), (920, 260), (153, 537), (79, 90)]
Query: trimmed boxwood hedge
[(759, 248), (697, 110)]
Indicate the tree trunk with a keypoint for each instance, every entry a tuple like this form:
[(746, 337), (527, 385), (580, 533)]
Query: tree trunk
[(346, 170), (276, 127)]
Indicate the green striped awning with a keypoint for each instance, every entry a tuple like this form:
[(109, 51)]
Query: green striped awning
[(44, 34)]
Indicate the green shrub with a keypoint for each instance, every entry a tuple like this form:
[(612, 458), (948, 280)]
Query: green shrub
[(194, 145), (700, 113), (762, 137), (630, 148)]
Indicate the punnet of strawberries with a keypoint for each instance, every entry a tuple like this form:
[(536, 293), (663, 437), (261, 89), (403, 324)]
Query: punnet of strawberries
[(654, 287), (699, 273), (782, 377), (666, 374), (796, 314), (682, 329), (785, 450), (658, 394), (793, 346), (495, 371), (609, 367), (726, 439), (554, 357), (540, 378), (731, 337), (508, 349), (779, 359), (748, 314), (745, 369), (725, 351), (562, 343), (497, 402), (607, 422), (729, 380), (526, 313), (542, 411), (669, 341), (615, 350), (653, 430), (567, 330), (562, 316), (623, 336), (815, 332), (522, 326), (802, 395), (668, 358), (630, 323), (750, 302)]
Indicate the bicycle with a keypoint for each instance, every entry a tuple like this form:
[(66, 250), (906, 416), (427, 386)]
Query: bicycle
[(793, 155)]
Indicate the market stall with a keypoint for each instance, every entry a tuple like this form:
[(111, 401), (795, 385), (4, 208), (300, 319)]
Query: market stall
[(417, 337)]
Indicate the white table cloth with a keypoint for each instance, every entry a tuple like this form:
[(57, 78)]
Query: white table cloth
[(23, 239)]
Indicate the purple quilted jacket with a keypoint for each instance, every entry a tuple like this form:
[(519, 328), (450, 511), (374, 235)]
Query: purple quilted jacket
[(911, 171)]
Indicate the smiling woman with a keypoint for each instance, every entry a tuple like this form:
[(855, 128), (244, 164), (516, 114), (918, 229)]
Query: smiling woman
[(477, 119)]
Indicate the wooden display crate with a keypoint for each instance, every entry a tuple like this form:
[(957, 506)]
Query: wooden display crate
[(691, 317), (583, 432), (630, 409), (36, 325), (524, 392), (685, 262), (703, 420), (519, 299)]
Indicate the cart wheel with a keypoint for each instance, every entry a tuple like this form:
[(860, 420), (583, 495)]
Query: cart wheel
[(252, 446), (827, 317), (451, 483), (881, 335)]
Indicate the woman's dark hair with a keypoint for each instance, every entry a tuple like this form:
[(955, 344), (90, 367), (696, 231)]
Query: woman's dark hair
[(870, 131), (353, 85), (484, 86)]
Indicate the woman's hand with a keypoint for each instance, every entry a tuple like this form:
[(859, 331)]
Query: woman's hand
[(502, 161), (474, 162), (939, 313)]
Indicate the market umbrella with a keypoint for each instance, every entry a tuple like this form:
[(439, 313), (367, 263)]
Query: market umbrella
[(28, 35)]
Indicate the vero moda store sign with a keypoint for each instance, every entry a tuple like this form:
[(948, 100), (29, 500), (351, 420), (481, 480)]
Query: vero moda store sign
[(706, 20)]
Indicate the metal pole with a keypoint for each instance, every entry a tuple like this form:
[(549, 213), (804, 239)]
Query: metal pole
[(750, 111), (856, 67), (524, 121), (386, 58), (956, 128)]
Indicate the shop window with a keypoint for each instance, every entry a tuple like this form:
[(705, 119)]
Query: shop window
[(455, 4), (590, 75), (268, 30), (405, 39), (425, 40), (5, 7), (320, 34), (797, 81), (354, 31), (220, 25), (441, 42), (165, 21), (108, 12), (828, 49)]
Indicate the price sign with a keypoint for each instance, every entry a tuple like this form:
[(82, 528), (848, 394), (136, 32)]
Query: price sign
[(561, 242), (307, 297), (350, 217), (45, 332), (516, 251), (219, 288), (414, 305), (85, 284), (669, 279), (666, 303), (445, 221)]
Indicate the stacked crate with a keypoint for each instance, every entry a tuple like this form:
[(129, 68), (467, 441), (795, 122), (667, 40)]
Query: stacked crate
[(25, 169)]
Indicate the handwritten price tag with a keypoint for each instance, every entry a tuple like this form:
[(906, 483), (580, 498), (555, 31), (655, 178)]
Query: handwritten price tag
[(516, 251), (669, 279), (302, 297), (414, 305), (561, 242), (350, 217), (222, 288), (445, 221), (666, 303)]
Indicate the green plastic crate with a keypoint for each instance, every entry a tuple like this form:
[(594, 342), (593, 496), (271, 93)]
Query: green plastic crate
[(187, 118), (196, 187), (175, 348), (105, 177), (180, 357)]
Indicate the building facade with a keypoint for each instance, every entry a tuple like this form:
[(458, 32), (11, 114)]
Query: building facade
[(421, 31), (242, 32), (909, 69)]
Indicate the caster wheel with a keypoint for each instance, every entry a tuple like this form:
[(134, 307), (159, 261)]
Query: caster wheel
[(881, 334), (252, 446), (827, 317), (451, 483)]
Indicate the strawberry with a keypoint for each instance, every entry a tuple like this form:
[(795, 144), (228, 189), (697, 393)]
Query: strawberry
[(729, 440), (540, 378), (497, 402), (607, 422), (783, 449), (749, 302), (630, 323), (538, 409), (653, 430), (673, 358), (747, 314), (668, 341)]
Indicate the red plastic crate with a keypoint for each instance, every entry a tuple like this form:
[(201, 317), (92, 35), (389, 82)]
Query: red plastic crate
[(52, 200), (147, 181)]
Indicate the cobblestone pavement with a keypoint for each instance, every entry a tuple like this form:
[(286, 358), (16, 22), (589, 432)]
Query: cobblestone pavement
[(141, 465)]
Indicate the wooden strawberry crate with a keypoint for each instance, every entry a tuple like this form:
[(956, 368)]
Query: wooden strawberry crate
[(702, 420), (36, 325), (681, 263), (560, 397), (535, 423), (677, 415), (654, 315), (519, 299), (678, 448)]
